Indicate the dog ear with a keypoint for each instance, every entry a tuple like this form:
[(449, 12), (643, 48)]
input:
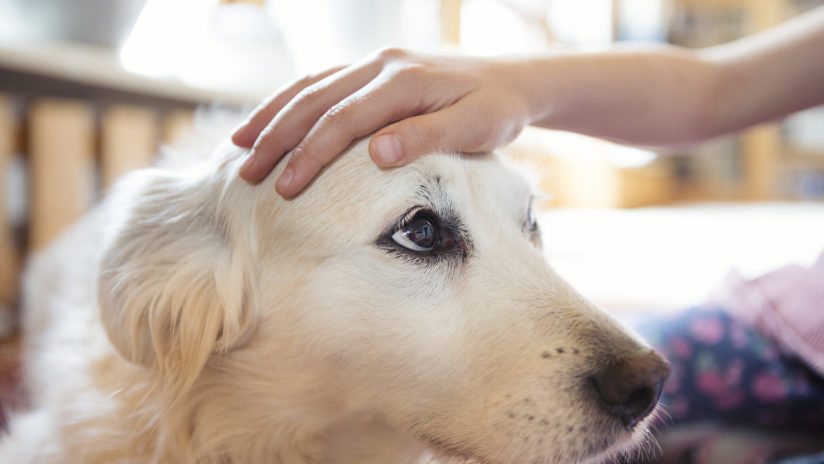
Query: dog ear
[(172, 290)]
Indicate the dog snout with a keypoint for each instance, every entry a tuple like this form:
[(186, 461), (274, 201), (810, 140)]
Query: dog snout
[(629, 387)]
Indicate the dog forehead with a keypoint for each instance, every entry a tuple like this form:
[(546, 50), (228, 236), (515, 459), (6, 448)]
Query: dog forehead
[(461, 181), (353, 200)]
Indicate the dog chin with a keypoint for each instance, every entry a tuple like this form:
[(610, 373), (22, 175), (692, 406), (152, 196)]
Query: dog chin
[(444, 453), (640, 443)]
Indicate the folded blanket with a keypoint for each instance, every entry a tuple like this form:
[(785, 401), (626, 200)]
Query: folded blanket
[(786, 305)]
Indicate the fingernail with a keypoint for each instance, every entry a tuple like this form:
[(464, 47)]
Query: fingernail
[(285, 180), (388, 149)]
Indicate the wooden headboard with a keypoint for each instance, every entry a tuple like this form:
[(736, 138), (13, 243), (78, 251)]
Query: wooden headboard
[(72, 120), (57, 155)]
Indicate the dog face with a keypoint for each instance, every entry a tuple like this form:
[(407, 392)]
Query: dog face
[(417, 298)]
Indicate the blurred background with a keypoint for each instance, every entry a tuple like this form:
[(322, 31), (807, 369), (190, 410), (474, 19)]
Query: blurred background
[(91, 88)]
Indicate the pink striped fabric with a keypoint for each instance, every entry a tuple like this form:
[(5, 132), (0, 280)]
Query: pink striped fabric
[(786, 305)]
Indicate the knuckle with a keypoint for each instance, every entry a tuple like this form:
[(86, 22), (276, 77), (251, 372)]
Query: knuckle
[(336, 116), (319, 76), (410, 73), (306, 81), (388, 54), (309, 96), (270, 142), (305, 159), (265, 137)]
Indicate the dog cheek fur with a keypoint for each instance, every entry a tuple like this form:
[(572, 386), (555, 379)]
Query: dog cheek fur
[(357, 315), (415, 361)]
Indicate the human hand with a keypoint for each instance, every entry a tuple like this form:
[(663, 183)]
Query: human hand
[(430, 103)]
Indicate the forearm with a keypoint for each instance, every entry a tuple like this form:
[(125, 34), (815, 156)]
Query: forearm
[(671, 95), (645, 96), (769, 75)]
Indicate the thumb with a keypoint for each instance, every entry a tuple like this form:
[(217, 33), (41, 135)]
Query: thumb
[(402, 142)]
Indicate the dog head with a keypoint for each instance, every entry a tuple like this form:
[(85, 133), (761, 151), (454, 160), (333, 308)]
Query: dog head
[(417, 298)]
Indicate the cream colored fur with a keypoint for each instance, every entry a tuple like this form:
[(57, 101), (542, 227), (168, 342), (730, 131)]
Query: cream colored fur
[(192, 318)]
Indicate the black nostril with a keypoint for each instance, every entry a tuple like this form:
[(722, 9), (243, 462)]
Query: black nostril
[(642, 399), (629, 388)]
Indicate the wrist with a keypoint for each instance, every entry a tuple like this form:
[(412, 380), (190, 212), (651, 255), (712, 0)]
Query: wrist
[(527, 85), (546, 88)]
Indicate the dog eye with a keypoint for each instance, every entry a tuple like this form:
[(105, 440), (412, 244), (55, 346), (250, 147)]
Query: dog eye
[(531, 227), (419, 234), (531, 223), (423, 235)]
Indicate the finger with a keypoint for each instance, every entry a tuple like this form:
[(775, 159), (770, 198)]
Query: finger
[(371, 107), (459, 128), (290, 125), (248, 131)]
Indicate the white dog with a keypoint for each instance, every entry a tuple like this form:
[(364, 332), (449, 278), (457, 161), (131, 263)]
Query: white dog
[(383, 316)]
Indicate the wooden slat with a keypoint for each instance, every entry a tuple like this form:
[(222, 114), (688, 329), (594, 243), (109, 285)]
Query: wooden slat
[(764, 14), (727, 4), (451, 23), (61, 171), (128, 140), (763, 145), (761, 150), (8, 251)]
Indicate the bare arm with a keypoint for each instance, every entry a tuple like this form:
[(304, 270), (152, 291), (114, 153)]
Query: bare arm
[(769, 75), (670, 95), (420, 103), (655, 95)]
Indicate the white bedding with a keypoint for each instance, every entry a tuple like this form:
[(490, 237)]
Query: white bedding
[(672, 257)]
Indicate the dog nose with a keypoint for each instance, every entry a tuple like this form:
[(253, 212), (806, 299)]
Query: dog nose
[(630, 387)]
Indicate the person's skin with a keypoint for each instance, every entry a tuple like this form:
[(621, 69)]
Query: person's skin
[(423, 103)]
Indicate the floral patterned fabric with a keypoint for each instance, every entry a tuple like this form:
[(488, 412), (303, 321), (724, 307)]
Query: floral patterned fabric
[(724, 370), (786, 305)]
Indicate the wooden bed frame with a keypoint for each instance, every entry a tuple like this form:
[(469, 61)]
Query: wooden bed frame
[(64, 152)]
